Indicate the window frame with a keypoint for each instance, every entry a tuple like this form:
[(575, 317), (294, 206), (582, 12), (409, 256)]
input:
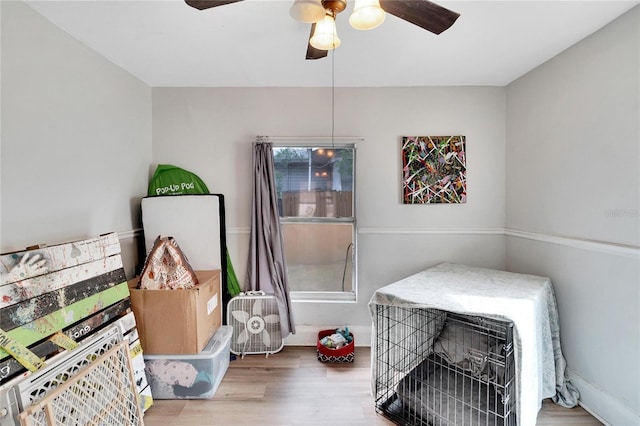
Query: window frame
[(328, 143)]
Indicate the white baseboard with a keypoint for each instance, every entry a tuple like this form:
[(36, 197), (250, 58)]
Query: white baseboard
[(307, 335), (601, 405)]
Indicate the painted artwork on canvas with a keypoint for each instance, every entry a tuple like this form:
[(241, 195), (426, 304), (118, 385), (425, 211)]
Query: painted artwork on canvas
[(434, 170)]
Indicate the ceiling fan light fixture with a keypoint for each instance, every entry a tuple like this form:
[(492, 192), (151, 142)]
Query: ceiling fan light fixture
[(308, 11), (367, 14), (325, 36)]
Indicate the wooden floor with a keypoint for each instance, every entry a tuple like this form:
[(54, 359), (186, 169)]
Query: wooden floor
[(293, 388)]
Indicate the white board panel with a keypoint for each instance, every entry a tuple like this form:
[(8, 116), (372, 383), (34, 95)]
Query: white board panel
[(192, 220)]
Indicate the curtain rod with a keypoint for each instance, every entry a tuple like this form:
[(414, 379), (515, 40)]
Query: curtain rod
[(308, 138)]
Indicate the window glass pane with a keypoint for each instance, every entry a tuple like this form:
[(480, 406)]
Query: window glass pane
[(315, 187), (319, 256), (314, 182)]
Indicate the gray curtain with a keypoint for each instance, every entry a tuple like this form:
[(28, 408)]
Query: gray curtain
[(267, 266)]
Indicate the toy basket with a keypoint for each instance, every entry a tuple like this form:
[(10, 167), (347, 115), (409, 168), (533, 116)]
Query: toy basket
[(342, 355)]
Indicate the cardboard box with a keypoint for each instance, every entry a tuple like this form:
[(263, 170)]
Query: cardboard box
[(178, 322)]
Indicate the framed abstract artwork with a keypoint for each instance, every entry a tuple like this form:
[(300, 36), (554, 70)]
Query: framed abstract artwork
[(434, 170)]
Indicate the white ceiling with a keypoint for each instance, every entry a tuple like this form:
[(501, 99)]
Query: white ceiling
[(256, 43)]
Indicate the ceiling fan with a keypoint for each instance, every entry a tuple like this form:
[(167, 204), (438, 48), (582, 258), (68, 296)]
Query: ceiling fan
[(367, 14)]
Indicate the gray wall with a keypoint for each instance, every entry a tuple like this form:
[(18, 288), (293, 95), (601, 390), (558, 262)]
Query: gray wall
[(76, 137), (210, 132), (572, 191)]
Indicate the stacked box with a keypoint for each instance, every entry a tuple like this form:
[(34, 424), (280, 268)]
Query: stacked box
[(178, 322), (190, 376)]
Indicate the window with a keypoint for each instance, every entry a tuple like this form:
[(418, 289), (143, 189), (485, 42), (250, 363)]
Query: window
[(316, 194)]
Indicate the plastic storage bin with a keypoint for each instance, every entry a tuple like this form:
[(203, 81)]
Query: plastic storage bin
[(190, 376)]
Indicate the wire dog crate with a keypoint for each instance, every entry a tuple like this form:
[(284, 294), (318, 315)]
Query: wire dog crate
[(438, 368)]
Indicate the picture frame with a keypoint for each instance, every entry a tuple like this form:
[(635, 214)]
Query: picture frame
[(434, 170)]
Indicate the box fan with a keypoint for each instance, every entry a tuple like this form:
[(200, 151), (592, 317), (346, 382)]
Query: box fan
[(255, 319)]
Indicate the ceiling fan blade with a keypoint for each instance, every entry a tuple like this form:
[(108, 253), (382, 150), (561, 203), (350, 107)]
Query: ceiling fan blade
[(422, 13), (207, 4), (312, 52)]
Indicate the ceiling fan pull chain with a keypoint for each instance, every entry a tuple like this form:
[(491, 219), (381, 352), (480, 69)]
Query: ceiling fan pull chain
[(333, 97)]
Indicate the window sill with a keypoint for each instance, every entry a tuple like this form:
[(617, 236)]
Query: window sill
[(323, 297)]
